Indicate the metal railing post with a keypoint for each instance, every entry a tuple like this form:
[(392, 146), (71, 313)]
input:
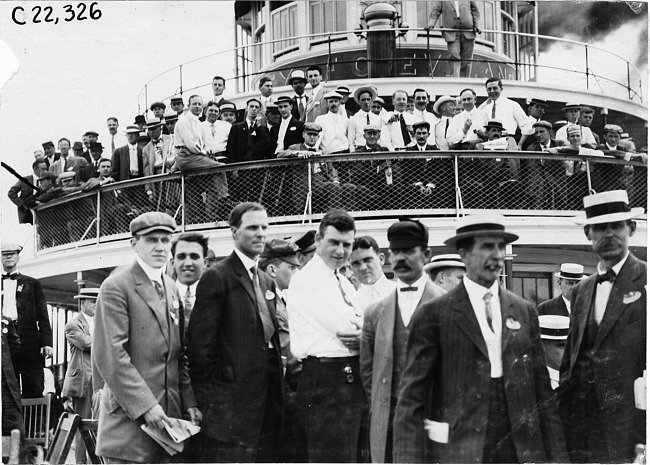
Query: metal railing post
[(429, 53), (587, 64), (99, 209), (146, 97), (329, 55), (36, 241), (459, 199), (180, 70), (629, 90), (588, 176), (183, 202)]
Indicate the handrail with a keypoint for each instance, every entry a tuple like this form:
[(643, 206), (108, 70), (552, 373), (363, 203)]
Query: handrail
[(327, 36), (435, 183)]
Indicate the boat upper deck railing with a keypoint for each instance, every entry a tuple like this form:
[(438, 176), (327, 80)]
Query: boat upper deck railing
[(369, 185), (596, 66)]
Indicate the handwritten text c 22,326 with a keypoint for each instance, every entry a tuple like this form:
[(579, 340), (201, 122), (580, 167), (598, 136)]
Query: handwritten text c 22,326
[(49, 14)]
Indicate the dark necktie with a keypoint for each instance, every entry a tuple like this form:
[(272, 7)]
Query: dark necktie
[(408, 289), (301, 107), (488, 309), (609, 276), (446, 127), (367, 118), (112, 144), (494, 109), (345, 297), (187, 306), (262, 308), (405, 133)]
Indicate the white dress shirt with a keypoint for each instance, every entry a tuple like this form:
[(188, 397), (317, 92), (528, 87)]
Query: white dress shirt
[(317, 311), (357, 124), (133, 159), (455, 133), (370, 293), (587, 137), (118, 140), (188, 133), (215, 135), (182, 290), (492, 338), (154, 274), (91, 323), (510, 114), (282, 132), (604, 289), (395, 129), (247, 262), (407, 301), (568, 304), (334, 136), (441, 131), (9, 308)]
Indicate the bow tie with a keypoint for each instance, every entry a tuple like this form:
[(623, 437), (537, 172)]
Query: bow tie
[(13, 275), (408, 288), (609, 276), (311, 149)]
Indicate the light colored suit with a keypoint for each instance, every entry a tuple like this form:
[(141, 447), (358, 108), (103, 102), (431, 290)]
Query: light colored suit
[(76, 164), (79, 374), (149, 155), (137, 351), (377, 364), (316, 105)]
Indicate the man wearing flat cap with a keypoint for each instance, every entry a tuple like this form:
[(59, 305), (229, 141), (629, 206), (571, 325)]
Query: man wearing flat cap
[(569, 275), (446, 271), (23, 301), (335, 126), (77, 385), (138, 350), (157, 154), (476, 377), (602, 377), (607, 177), (386, 326)]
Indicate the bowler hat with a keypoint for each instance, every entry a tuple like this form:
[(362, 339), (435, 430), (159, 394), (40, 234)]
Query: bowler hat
[(139, 119), (571, 271), (480, 225), (88, 293), (370, 89), (152, 221), (284, 250), (77, 146), (95, 146), (49, 143), (448, 260), (607, 207), (407, 233)]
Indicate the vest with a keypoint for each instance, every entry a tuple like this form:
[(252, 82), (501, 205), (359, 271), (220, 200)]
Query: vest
[(400, 339)]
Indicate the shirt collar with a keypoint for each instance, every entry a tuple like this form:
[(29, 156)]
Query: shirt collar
[(567, 303), (246, 261), (616, 268), (154, 274), (476, 289), (89, 319), (420, 283), (182, 288)]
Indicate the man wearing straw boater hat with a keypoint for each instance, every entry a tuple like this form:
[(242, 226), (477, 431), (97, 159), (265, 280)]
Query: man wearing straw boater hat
[(475, 376), (570, 274), (77, 385), (554, 331), (602, 377), (446, 270)]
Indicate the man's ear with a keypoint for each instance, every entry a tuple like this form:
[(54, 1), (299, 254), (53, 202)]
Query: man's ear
[(587, 230), (632, 228), (271, 271)]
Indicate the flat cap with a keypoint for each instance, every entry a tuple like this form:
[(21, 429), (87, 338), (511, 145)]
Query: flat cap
[(48, 144), (613, 128), (157, 105), (95, 146), (543, 124), (67, 175), (284, 250), (48, 175), (77, 146), (306, 242), (313, 127), (91, 133), (152, 221), (407, 233), (573, 128), (371, 128), (8, 247), (88, 293)]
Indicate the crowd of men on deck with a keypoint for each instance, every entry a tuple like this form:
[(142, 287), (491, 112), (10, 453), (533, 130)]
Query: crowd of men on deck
[(302, 350), (192, 136)]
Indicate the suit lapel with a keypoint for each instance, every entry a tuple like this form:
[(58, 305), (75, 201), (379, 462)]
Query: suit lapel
[(242, 276), (386, 321), (466, 320), (144, 288), (509, 317), (615, 307), (580, 311)]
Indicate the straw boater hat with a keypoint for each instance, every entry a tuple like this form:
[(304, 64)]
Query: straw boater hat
[(554, 327), (607, 207), (572, 105), (88, 293), (572, 271), (369, 89), (449, 260), (296, 74), (480, 225)]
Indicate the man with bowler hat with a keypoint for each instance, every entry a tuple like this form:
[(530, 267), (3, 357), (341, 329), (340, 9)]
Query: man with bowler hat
[(386, 327), (476, 387), (602, 376)]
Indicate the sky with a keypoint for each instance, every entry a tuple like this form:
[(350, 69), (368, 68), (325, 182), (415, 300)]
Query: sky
[(61, 80)]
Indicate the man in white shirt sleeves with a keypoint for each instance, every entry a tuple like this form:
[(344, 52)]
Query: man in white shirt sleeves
[(367, 261)]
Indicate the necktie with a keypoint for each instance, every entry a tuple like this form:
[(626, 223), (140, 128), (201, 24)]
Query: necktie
[(408, 289), (405, 133), (13, 275), (301, 107), (159, 289), (187, 306), (494, 110), (610, 276), (368, 118), (213, 130), (112, 144), (345, 297), (262, 308), (488, 309), (446, 127)]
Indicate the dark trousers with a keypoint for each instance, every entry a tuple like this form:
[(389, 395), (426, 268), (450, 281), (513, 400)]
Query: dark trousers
[(331, 406), (588, 444), (499, 445)]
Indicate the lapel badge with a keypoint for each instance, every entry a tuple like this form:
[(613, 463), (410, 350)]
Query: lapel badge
[(19, 288), (173, 311), (512, 324), (269, 295), (631, 297)]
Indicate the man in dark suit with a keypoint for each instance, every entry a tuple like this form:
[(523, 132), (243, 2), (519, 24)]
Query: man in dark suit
[(49, 153), (289, 128), (23, 301), (386, 326), (298, 81), (77, 384), (476, 377), (137, 349), (90, 137), (234, 350), (463, 15), (21, 191), (570, 274), (547, 179), (122, 157), (602, 376)]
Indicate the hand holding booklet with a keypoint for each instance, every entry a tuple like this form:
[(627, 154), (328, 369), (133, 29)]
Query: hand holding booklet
[(172, 438)]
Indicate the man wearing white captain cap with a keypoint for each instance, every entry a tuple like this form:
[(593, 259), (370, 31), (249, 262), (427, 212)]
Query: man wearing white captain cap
[(446, 271), (605, 356), (554, 330), (570, 274)]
